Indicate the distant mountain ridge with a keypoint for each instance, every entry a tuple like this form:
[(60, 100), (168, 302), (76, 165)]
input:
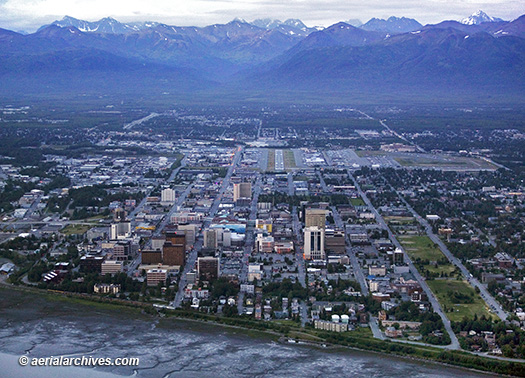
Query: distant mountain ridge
[(290, 26), (104, 25), (392, 25), (112, 26), (266, 55)]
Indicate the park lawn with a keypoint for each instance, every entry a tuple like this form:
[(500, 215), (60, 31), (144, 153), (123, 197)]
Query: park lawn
[(271, 160), (365, 153), (357, 202), (300, 178), (448, 269), (422, 162), (363, 332), (457, 311), (72, 229), (285, 322), (421, 247), (289, 159), (399, 220)]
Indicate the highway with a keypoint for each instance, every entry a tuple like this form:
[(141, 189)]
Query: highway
[(432, 299), (487, 297), (192, 257)]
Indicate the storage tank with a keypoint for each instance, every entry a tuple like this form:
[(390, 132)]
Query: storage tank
[(335, 318), (345, 319)]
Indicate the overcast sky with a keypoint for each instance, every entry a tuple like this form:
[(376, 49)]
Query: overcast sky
[(30, 14)]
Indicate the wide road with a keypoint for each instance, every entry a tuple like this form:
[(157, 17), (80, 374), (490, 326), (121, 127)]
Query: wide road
[(299, 258), (136, 261), (192, 257), (487, 297), (142, 203), (432, 299), (351, 252), (249, 240)]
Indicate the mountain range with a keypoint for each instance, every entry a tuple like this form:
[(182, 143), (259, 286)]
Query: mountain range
[(479, 54)]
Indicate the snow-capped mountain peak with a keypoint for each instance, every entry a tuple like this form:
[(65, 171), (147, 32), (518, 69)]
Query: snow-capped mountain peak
[(478, 18)]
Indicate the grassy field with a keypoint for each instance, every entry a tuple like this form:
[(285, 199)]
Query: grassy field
[(271, 160), (365, 153), (443, 161), (427, 160), (458, 299), (399, 220), (357, 202), (421, 247), (289, 159), (441, 269), (75, 229)]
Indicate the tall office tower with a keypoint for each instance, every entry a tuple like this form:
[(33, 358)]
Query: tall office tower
[(167, 196), (157, 242), (174, 249), (150, 257), (190, 230), (176, 237), (314, 243), (121, 250), (173, 254), (210, 239), (208, 268), (242, 190), (315, 218), (120, 230), (335, 242)]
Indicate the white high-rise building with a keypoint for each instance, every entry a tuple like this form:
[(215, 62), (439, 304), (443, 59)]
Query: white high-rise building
[(314, 243), (121, 230), (167, 196)]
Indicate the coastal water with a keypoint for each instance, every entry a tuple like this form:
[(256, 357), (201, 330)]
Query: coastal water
[(44, 327)]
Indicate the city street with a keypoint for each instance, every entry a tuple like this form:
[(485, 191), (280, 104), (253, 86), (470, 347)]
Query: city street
[(192, 256)]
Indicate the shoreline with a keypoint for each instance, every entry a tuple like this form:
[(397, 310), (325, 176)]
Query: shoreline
[(423, 353)]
